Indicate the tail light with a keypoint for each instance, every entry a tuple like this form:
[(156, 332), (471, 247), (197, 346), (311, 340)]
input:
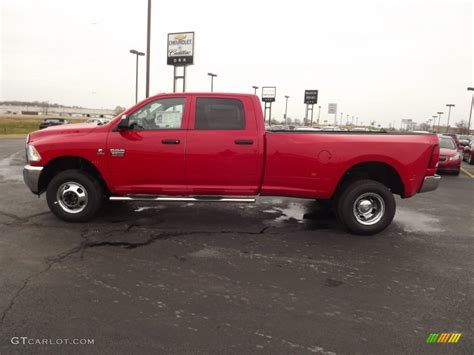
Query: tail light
[(434, 157)]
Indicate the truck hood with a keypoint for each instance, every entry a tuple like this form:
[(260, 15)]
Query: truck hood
[(74, 128)]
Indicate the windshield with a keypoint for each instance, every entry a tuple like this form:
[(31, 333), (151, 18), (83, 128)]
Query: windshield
[(447, 143)]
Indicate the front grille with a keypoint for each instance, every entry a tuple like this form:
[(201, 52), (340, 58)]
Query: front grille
[(442, 157)]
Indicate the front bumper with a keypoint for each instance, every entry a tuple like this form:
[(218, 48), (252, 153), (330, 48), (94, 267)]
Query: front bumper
[(430, 183), (31, 175)]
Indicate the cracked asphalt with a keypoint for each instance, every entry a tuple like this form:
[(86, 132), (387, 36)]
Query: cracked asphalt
[(280, 276)]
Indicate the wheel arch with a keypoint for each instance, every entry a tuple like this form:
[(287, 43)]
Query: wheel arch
[(375, 170), (56, 165)]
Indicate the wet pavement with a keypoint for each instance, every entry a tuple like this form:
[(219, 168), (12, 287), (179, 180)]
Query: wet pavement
[(279, 276)]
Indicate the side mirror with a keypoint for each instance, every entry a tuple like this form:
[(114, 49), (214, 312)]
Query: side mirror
[(123, 124)]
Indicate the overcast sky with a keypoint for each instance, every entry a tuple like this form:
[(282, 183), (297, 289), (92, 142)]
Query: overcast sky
[(380, 60)]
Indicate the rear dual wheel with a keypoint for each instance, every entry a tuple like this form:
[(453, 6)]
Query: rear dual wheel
[(365, 207)]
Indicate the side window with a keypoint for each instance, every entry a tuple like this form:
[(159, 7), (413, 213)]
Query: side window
[(219, 114), (159, 114)]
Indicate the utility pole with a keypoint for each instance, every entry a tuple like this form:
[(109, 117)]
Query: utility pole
[(212, 75), (449, 115), (148, 34), (138, 54), (319, 114), (255, 88), (286, 108)]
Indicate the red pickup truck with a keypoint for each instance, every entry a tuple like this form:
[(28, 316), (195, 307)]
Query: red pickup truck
[(214, 147)]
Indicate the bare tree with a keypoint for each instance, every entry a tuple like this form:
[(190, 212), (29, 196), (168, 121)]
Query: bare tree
[(119, 110), (424, 126)]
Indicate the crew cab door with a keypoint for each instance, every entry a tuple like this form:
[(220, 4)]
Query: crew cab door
[(222, 148), (148, 157)]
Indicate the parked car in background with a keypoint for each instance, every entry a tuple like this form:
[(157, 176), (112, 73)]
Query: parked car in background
[(98, 121), (468, 152), (456, 139), (449, 157), (466, 138), (48, 122), (307, 129)]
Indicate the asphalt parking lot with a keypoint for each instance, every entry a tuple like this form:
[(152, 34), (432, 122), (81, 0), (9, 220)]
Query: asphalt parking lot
[(280, 276)]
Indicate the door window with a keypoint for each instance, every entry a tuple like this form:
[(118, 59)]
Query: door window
[(219, 114), (159, 114)]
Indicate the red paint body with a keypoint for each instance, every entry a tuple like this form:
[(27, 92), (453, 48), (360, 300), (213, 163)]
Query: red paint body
[(208, 162)]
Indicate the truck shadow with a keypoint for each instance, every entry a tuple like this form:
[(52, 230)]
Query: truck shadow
[(281, 213)]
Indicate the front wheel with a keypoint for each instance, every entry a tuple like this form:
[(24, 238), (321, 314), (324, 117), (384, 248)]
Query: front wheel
[(74, 196), (366, 207)]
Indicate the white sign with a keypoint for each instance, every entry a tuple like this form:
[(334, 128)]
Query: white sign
[(268, 93), (181, 48), (332, 108)]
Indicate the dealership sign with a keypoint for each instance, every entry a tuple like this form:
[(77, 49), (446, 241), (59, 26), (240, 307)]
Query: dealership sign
[(332, 108), (181, 48), (311, 97), (269, 93)]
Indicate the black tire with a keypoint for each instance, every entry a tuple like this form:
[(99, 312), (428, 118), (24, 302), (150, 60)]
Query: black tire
[(471, 161), (456, 173), (368, 193), (76, 185)]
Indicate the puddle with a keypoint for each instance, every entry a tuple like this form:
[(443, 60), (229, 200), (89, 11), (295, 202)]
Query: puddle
[(271, 211), (188, 204), (11, 168), (141, 209), (416, 222), (294, 211)]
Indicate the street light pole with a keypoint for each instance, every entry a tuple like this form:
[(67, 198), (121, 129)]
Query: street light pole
[(255, 89), (434, 122), (439, 119), (138, 54), (470, 112), (286, 108), (449, 115), (212, 75), (148, 34), (319, 114)]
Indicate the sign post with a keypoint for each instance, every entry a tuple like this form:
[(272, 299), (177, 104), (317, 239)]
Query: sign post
[(310, 98), (268, 96), (180, 54), (332, 109)]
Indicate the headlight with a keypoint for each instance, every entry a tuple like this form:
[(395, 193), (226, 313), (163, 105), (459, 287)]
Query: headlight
[(456, 156), (32, 154)]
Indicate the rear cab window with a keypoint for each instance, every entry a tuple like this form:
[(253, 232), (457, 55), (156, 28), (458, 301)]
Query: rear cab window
[(219, 114)]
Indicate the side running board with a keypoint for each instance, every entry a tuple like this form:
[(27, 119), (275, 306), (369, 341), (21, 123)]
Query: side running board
[(182, 199)]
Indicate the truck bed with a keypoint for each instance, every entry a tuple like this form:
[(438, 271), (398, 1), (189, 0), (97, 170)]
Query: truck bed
[(311, 163)]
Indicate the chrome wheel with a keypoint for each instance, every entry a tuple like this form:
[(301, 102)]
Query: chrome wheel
[(368, 208), (72, 197)]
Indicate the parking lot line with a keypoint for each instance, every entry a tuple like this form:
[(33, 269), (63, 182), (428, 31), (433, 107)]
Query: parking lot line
[(467, 173)]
